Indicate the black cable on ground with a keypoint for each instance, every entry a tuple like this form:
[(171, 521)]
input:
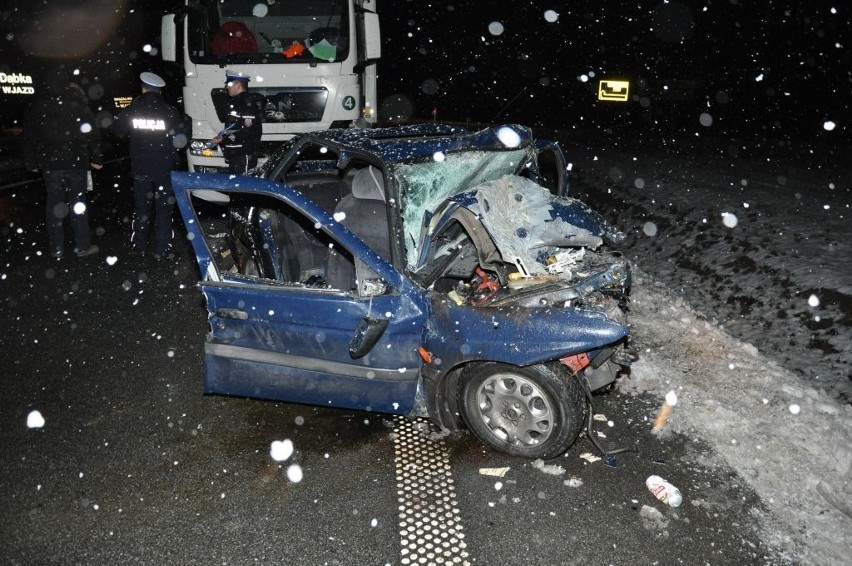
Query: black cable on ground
[(589, 432)]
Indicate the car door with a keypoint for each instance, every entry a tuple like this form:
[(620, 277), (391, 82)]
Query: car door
[(297, 340)]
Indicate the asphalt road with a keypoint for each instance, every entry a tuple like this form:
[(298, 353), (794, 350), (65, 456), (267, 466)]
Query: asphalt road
[(135, 466)]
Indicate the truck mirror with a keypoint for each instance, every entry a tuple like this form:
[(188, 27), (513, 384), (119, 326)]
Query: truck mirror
[(168, 35), (371, 38)]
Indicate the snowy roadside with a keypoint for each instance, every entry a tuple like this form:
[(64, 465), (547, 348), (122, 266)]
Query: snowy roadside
[(759, 245), (746, 314), (791, 443)]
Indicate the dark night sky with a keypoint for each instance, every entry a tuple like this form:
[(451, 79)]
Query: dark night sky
[(754, 69), (103, 40), (778, 68)]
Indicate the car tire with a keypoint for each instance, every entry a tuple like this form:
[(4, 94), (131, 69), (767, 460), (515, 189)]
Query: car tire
[(531, 412)]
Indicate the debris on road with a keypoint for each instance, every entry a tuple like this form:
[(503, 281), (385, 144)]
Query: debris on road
[(552, 469), (665, 411), (664, 491), (496, 472)]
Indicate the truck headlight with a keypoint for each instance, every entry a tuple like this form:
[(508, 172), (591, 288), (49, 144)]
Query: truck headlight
[(204, 148)]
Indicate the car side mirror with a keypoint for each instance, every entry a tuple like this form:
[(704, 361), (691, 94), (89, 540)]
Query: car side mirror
[(371, 287), (367, 333)]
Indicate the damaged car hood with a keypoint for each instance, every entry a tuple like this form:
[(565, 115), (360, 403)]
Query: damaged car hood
[(540, 250), (525, 221)]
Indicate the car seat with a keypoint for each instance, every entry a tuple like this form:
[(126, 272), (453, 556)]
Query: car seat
[(365, 215)]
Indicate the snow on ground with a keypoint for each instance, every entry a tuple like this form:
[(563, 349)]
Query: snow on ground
[(743, 306), (791, 442), (760, 245)]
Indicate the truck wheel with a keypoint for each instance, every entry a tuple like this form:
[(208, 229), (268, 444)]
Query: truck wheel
[(531, 412)]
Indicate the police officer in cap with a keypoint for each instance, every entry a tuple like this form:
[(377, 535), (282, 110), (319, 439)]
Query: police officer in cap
[(240, 138), (158, 132)]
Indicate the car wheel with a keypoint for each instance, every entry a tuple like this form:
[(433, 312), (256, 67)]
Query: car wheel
[(532, 412)]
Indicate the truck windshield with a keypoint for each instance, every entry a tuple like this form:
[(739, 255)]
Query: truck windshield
[(262, 31)]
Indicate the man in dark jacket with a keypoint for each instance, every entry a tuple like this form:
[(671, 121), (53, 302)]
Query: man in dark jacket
[(60, 138), (240, 138), (158, 131)]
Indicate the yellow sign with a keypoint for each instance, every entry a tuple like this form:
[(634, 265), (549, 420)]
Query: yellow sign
[(122, 101), (613, 90)]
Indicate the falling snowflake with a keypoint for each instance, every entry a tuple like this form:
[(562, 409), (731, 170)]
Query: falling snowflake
[(294, 473), (509, 137), (495, 28), (281, 450), (35, 420)]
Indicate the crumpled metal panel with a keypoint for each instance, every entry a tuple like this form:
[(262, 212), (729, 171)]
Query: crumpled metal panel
[(525, 219), (521, 336)]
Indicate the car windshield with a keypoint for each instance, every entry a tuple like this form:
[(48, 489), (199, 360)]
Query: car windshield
[(425, 185)]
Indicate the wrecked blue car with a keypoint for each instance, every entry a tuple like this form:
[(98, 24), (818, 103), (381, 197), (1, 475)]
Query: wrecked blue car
[(420, 271)]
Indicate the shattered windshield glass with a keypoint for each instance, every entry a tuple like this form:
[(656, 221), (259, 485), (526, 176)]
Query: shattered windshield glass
[(424, 186)]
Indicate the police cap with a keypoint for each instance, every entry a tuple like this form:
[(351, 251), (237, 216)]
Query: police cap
[(152, 80), (231, 76)]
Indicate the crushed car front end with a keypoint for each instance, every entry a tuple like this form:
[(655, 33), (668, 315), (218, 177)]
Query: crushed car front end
[(528, 296)]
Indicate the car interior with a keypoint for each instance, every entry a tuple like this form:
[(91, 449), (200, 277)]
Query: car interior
[(260, 236)]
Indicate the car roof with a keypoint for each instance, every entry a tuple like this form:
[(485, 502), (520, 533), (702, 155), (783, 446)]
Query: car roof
[(413, 142)]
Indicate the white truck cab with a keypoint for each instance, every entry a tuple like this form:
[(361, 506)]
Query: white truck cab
[(312, 65)]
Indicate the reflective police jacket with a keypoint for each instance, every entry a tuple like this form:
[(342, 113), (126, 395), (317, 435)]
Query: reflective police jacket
[(158, 132), (242, 131)]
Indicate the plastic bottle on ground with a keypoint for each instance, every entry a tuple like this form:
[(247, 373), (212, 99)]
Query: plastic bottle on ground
[(664, 491)]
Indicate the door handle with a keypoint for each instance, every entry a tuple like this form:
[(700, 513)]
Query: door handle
[(235, 314)]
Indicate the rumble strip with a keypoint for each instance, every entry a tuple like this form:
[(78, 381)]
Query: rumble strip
[(430, 527)]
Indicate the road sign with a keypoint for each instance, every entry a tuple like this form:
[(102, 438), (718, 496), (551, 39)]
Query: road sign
[(613, 90)]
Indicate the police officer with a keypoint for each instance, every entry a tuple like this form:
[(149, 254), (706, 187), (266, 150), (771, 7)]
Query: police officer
[(60, 138), (240, 138), (157, 131)]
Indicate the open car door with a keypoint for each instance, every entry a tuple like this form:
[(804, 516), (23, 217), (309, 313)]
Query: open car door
[(277, 328)]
